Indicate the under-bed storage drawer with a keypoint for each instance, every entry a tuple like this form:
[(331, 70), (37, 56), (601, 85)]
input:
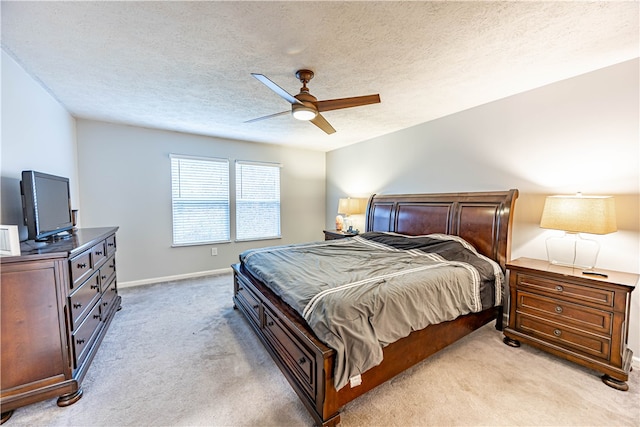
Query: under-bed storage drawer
[(249, 301), (299, 359)]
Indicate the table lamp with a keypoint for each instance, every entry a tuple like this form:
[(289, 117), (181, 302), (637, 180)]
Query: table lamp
[(351, 206), (574, 215)]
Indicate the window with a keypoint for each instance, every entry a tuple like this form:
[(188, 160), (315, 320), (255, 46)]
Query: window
[(257, 200), (200, 200)]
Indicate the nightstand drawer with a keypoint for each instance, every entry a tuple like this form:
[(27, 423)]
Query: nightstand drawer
[(566, 290), (564, 312), (567, 337)]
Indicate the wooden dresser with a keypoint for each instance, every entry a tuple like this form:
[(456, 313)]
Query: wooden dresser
[(58, 299), (581, 318)]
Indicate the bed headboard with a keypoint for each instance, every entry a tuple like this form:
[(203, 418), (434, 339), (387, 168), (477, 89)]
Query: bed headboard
[(483, 219)]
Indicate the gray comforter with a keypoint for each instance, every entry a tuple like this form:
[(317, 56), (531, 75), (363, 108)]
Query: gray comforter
[(360, 294)]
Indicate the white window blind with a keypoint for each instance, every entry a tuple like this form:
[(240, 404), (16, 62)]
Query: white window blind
[(200, 200), (257, 200)]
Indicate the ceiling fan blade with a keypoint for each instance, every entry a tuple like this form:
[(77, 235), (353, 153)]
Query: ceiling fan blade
[(356, 101), (269, 116), (277, 89), (323, 124)]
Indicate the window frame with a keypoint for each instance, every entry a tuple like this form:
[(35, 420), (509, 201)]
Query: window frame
[(238, 183), (227, 175)]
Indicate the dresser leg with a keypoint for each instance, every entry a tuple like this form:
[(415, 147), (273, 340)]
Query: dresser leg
[(69, 399), (6, 416), (614, 383), (511, 342)]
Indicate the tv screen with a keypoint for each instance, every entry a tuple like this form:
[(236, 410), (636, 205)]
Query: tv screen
[(46, 204)]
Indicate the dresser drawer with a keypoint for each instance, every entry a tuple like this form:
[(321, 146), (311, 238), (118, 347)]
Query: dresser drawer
[(565, 336), (109, 295), (83, 336), (98, 254), (292, 352), (563, 312), (83, 298), (80, 267), (566, 290), (107, 272), (111, 244)]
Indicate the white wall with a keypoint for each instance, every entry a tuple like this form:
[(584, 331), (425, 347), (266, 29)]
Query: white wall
[(126, 181), (37, 134), (581, 134)]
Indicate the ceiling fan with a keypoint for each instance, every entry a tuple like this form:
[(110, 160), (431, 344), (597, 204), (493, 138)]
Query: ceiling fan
[(305, 106)]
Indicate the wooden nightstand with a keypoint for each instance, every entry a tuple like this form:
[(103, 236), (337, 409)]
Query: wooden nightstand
[(581, 318), (335, 234)]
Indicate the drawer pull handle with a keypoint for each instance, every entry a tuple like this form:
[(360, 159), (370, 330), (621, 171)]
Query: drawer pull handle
[(302, 361), (558, 309), (82, 265), (77, 305), (255, 307), (94, 286), (103, 277), (110, 244), (269, 323), (98, 253), (96, 316), (113, 289), (240, 288), (104, 304), (80, 341), (557, 332), (559, 288)]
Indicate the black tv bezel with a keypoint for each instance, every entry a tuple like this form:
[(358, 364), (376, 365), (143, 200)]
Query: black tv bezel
[(29, 203)]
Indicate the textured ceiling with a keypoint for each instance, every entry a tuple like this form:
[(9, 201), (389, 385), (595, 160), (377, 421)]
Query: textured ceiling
[(186, 66)]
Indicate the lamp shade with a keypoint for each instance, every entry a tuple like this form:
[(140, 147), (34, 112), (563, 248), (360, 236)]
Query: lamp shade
[(580, 214), (351, 206)]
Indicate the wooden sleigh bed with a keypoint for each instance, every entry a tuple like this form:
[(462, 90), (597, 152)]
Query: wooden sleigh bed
[(483, 219)]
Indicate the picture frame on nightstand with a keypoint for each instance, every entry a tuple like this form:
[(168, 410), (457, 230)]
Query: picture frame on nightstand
[(9, 240)]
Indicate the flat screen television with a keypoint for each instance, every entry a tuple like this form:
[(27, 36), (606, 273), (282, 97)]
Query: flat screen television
[(46, 204)]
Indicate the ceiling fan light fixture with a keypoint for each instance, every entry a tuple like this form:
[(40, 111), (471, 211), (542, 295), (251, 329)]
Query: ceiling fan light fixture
[(303, 112)]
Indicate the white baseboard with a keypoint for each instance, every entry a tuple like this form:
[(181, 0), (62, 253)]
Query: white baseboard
[(133, 283), (635, 362)]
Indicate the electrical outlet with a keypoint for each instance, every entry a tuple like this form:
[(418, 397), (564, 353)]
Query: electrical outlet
[(214, 251)]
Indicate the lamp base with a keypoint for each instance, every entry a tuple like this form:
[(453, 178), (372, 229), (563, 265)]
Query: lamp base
[(573, 251)]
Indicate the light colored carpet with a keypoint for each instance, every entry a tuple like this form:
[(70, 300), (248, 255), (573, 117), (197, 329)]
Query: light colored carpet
[(178, 354)]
